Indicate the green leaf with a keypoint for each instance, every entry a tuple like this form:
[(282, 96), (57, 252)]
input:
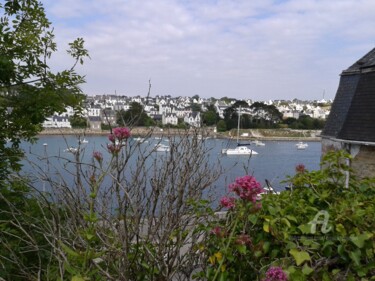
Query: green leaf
[(356, 256), (341, 229), (359, 240), (266, 226), (306, 270), (300, 256), (241, 249), (266, 246), (78, 278), (291, 218), (69, 250), (305, 228), (253, 218), (89, 236), (285, 221)]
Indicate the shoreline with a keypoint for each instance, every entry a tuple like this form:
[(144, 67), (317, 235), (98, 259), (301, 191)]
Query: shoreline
[(253, 134)]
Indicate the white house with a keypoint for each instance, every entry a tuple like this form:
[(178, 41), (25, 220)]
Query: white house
[(57, 122), (193, 119), (170, 118)]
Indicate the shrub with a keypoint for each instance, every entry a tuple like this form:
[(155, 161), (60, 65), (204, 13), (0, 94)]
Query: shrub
[(319, 230)]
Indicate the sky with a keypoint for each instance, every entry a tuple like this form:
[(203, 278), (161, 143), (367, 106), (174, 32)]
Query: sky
[(242, 49)]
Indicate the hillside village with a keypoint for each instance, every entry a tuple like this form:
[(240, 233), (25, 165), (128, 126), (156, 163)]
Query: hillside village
[(102, 109)]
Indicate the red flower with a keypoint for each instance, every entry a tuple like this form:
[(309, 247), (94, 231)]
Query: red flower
[(227, 202), (300, 168), (121, 133), (247, 188)]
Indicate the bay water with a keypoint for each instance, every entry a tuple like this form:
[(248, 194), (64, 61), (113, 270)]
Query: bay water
[(274, 161)]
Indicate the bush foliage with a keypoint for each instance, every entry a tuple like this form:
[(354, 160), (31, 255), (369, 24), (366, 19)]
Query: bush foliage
[(322, 229)]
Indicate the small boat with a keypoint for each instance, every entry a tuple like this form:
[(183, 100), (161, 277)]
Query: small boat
[(162, 148), (301, 145), (239, 150), (71, 149), (83, 141), (139, 139), (258, 143)]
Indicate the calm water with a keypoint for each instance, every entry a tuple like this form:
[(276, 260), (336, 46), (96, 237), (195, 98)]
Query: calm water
[(274, 161)]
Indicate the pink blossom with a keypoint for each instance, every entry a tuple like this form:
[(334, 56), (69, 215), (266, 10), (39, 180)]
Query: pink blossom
[(257, 207), (247, 188), (121, 133), (243, 239), (113, 149), (300, 168), (112, 138), (98, 156), (275, 273), (227, 202), (217, 231)]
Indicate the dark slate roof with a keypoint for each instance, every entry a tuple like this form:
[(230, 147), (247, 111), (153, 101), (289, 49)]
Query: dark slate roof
[(366, 61), (352, 115)]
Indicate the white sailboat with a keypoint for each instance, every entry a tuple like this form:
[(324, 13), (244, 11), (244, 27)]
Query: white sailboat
[(301, 145), (241, 149)]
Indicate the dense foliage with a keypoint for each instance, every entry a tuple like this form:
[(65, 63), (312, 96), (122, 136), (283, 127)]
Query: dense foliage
[(29, 90), (319, 230), (305, 122)]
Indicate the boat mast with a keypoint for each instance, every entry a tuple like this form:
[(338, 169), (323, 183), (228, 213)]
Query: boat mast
[(238, 125)]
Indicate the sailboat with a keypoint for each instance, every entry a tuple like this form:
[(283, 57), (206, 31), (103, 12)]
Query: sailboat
[(241, 148)]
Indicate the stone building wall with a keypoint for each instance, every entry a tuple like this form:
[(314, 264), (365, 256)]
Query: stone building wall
[(363, 162)]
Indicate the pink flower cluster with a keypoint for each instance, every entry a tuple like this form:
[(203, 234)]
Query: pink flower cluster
[(300, 168), (117, 138), (119, 134), (228, 202), (218, 231), (97, 156), (247, 188), (114, 148), (243, 239), (275, 273)]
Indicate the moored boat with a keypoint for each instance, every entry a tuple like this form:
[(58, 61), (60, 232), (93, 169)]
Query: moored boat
[(301, 145)]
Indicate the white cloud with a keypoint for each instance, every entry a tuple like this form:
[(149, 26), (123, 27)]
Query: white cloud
[(245, 49)]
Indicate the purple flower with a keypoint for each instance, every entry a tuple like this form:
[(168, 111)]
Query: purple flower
[(121, 133), (243, 239), (113, 149), (247, 188), (227, 202), (98, 156), (300, 168), (218, 231), (112, 138), (275, 273)]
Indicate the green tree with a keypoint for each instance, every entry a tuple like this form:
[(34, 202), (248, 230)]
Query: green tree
[(221, 126), (78, 122), (135, 116), (211, 116), (29, 90), (231, 114), (266, 115)]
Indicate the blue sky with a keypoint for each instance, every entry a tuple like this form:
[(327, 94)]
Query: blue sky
[(257, 49)]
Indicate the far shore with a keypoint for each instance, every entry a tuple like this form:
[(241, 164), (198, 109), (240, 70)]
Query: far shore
[(252, 134)]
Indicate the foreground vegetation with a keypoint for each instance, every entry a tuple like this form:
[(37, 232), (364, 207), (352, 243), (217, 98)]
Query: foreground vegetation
[(122, 221)]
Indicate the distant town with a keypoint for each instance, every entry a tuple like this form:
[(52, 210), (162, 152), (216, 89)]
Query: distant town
[(101, 111)]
